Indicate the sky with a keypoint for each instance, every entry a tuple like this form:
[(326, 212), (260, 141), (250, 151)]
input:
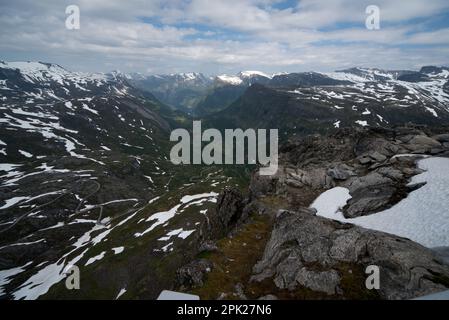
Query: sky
[(226, 36)]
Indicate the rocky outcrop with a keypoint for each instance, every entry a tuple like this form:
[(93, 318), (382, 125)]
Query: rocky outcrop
[(313, 257), (228, 213), (374, 191), (313, 252), (193, 274), (340, 172), (422, 144), (374, 164)]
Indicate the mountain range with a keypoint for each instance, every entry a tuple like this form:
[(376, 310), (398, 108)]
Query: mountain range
[(84, 171), (85, 175), (356, 96)]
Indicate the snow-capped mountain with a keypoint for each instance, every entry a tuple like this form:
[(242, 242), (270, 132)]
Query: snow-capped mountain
[(84, 178), (230, 80), (180, 79), (252, 74), (424, 91), (44, 80), (245, 78), (305, 102), (362, 87)]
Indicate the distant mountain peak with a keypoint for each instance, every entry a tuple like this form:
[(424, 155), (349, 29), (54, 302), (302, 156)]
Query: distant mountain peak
[(250, 74), (31, 66), (243, 77), (232, 80)]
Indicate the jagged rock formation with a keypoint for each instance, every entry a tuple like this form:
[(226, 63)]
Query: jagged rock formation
[(309, 101), (229, 211), (310, 251), (86, 179), (305, 250), (367, 161), (326, 258)]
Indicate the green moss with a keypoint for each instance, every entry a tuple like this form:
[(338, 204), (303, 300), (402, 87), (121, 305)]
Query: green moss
[(236, 256)]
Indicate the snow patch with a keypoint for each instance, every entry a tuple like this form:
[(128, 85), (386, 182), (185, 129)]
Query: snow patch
[(122, 292), (422, 216), (235, 81), (25, 154), (118, 250), (362, 123), (96, 258)]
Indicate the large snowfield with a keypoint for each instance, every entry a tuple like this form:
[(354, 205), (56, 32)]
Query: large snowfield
[(422, 217)]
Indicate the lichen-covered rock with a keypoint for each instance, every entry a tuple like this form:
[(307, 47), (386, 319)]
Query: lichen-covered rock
[(341, 172), (376, 156), (309, 256), (193, 274), (379, 189), (369, 194), (423, 140), (208, 246), (308, 251)]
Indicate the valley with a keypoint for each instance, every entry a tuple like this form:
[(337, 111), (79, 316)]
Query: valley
[(86, 180)]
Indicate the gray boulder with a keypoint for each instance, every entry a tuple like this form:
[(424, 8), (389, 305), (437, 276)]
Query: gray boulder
[(341, 172), (208, 246), (422, 144), (307, 251), (365, 160), (369, 193), (378, 157)]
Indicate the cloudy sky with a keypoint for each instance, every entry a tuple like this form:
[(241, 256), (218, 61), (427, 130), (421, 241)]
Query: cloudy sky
[(226, 36)]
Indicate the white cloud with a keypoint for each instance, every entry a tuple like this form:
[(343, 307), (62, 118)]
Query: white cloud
[(318, 34)]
